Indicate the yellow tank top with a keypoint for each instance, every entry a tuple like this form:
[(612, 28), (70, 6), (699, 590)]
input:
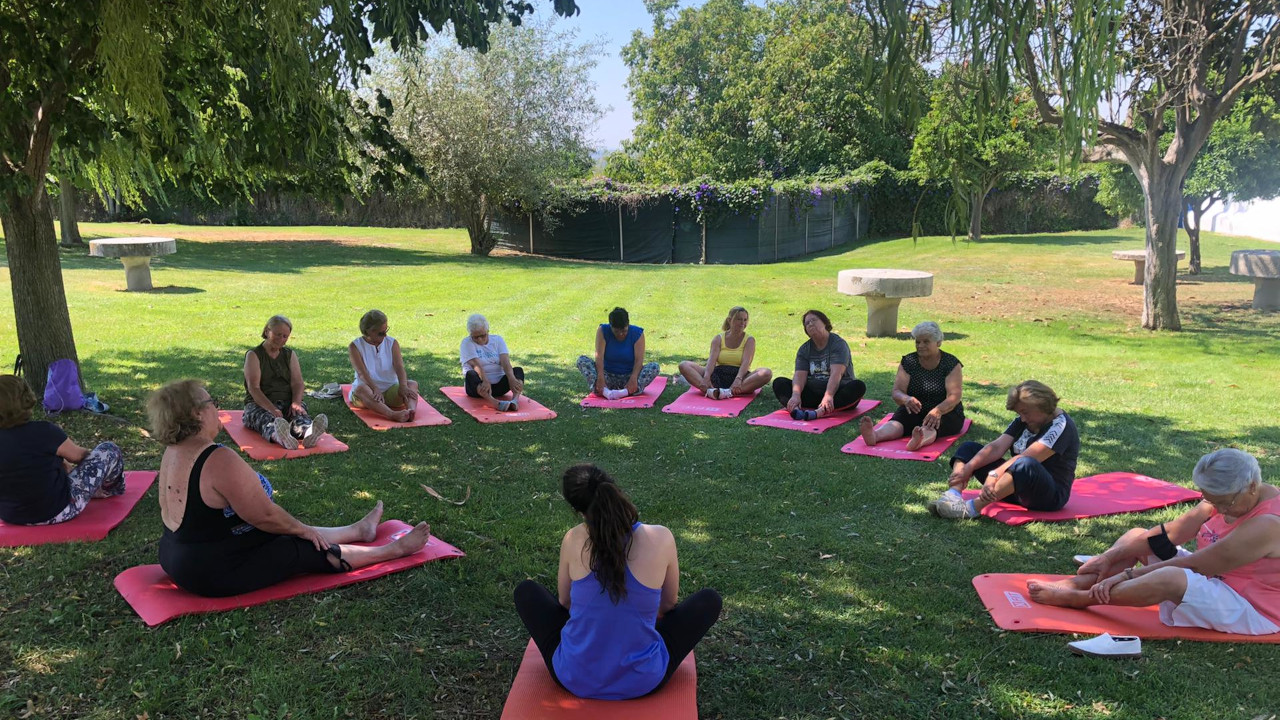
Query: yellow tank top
[(728, 355)]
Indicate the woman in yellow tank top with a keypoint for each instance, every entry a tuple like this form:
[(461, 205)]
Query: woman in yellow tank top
[(728, 369)]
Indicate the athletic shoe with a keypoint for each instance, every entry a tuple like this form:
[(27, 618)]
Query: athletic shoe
[(319, 426), (282, 435), (949, 507), (508, 406), (618, 394), (716, 393), (1105, 645), (679, 380)]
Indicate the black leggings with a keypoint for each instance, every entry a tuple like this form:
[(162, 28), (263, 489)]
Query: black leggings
[(681, 627), (500, 388), (240, 563), (1033, 487), (950, 424), (847, 395)]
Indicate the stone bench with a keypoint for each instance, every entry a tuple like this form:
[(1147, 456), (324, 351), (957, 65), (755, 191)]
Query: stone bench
[(136, 253), (884, 289), (1264, 267), (1139, 259)]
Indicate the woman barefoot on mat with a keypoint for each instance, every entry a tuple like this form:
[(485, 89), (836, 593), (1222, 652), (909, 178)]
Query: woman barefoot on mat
[(1231, 583), (380, 384), (616, 631), (728, 369), (486, 367), (823, 382), (927, 391), (222, 533)]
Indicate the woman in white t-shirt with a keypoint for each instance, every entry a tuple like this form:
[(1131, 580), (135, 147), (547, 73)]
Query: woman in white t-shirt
[(487, 367), (380, 384)]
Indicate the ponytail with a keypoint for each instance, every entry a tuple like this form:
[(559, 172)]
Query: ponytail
[(608, 514)]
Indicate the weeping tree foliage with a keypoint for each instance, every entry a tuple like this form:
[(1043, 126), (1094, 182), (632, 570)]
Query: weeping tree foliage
[(1170, 67), (972, 145), (206, 89), (497, 127)]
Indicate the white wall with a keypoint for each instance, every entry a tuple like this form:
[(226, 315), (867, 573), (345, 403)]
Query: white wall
[(1257, 219)]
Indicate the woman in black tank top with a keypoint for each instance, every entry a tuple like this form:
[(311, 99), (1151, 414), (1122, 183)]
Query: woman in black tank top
[(222, 534), (927, 390)]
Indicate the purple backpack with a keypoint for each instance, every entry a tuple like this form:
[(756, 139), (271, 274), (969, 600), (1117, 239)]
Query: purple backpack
[(62, 389)]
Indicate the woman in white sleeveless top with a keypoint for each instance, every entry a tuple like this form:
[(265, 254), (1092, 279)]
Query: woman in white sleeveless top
[(380, 384)]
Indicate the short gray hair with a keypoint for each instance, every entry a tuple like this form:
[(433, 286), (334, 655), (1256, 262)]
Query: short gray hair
[(928, 329), (1226, 471), (476, 322)]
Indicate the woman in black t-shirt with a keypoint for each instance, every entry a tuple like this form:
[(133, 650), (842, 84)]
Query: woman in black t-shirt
[(45, 478), (927, 391)]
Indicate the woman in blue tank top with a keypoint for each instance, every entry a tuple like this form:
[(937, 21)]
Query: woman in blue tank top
[(616, 631)]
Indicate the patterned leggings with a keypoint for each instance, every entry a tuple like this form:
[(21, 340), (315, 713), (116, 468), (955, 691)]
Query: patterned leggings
[(587, 366), (99, 475), (260, 421)]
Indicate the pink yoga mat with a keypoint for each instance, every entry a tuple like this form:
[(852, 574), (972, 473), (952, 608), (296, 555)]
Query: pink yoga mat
[(780, 418), (426, 415), (157, 600), (897, 449), (480, 410), (695, 402), (535, 696), (1006, 597), (258, 448), (645, 399), (98, 518), (1110, 493)]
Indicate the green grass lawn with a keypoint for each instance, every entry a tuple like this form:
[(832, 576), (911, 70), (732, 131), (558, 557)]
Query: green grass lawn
[(843, 597)]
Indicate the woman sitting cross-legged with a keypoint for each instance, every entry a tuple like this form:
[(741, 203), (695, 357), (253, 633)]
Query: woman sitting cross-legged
[(486, 367), (380, 383), (222, 533), (1044, 444), (927, 391), (728, 369), (1231, 583), (616, 631), (619, 368), (823, 382), (46, 478), (273, 388)]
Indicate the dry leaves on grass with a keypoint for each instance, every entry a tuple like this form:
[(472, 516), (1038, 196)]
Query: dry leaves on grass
[(432, 492)]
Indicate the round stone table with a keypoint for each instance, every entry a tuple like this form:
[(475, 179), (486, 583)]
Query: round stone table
[(1264, 267), (1139, 258), (136, 252), (884, 290)]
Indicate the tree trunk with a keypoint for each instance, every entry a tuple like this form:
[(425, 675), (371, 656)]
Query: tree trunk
[(1198, 208), (1160, 288), (479, 228), (39, 300), (67, 213), (975, 215)]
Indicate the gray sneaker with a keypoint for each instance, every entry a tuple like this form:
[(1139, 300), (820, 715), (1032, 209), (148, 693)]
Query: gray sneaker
[(679, 380), (319, 426), (950, 507), (282, 435)]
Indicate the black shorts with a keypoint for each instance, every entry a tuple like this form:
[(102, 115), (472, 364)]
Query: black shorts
[(724, 375), (951, 423)]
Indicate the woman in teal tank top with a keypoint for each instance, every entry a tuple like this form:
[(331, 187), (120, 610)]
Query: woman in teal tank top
[(728, 370)]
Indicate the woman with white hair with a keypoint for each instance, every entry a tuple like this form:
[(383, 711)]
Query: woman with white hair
[(1231, 583), (927, 391), (487, 369)]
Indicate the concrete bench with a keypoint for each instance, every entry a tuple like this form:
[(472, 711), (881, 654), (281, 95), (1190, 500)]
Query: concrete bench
[(136, 253), (1139, 259), (884, 289), (1264, 267)]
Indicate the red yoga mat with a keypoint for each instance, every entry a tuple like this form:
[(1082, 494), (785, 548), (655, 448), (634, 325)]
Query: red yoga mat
[(897, 449), (1007, 599), (535, 696), (1110, 493), (99, 517), (781, 419), (645, 399), (259, 448), (157, 600), (695, 402), (425, 416), (529, 410)]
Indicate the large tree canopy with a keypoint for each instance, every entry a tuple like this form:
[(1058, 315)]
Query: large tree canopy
[(207, 87), (1165, 67)]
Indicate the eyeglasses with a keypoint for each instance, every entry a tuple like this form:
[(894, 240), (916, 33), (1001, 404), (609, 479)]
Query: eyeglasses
[(210, 401), (1223, 505)]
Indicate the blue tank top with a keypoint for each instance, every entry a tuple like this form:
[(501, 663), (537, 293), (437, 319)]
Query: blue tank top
[(607, 651), (620, 355)]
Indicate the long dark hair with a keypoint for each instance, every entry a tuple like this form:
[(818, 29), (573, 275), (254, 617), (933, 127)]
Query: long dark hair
[(609, 515)]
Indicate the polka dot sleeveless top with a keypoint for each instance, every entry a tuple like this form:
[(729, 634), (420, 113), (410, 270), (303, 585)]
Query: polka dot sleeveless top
[(929, 386)]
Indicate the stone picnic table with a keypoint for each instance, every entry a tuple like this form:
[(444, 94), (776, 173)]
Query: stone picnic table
[(1264, 267), (136, 253), (1139, 259), (884, 289)]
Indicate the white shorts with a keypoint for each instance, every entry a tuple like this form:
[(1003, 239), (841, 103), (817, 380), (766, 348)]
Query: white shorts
[(1213, 604)]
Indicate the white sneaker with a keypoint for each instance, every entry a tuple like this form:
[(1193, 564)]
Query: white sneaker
[(319, 426), (283, 437), (1121, 646), (1082, 559), (618, 394), (952, 508)]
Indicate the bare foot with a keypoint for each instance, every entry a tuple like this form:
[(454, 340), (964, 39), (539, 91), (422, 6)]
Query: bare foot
[(402, 416), (368, 526), (1061, 594), (917, 439), (867, 427), (412, 541)]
